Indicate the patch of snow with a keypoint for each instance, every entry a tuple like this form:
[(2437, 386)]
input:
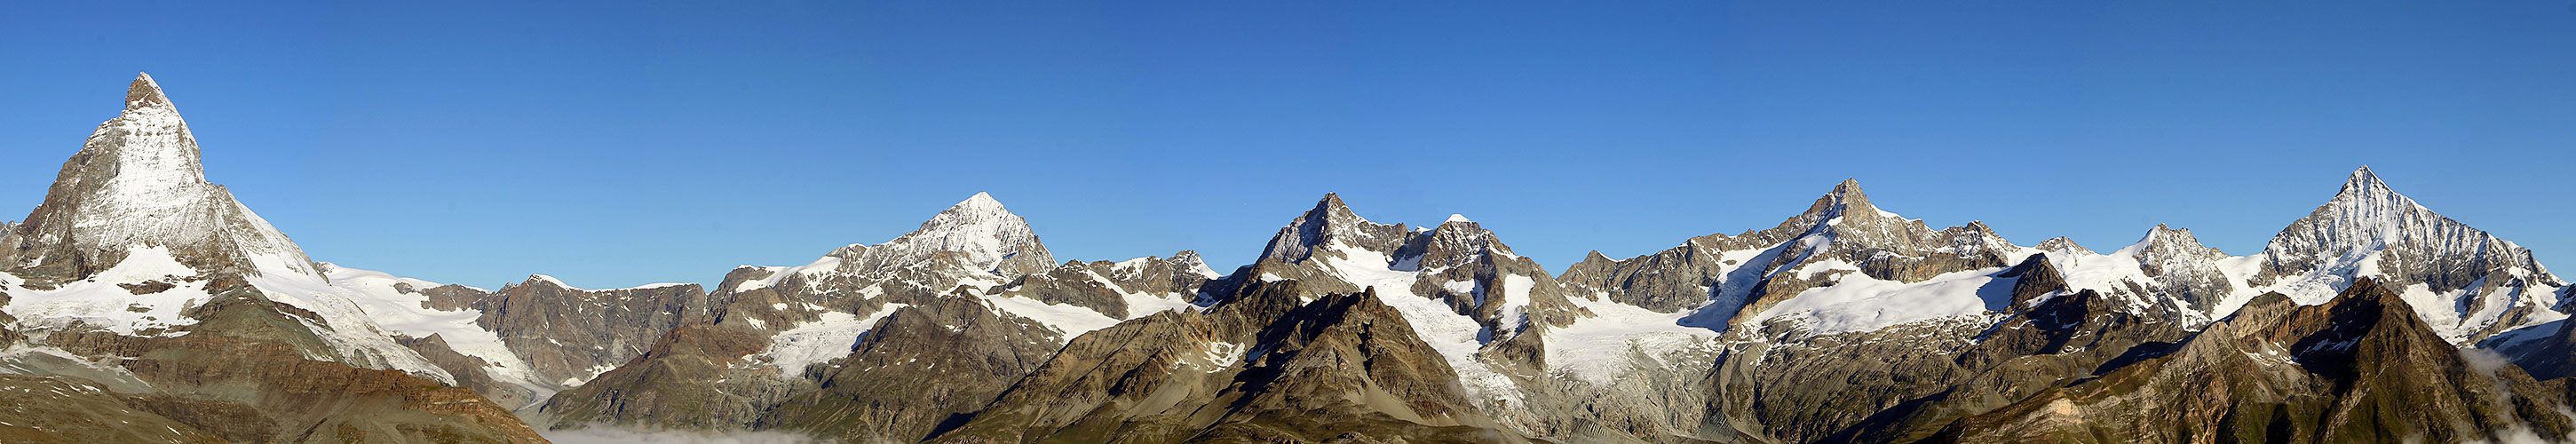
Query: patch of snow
[(1861, 303), (809, 343), (1598, 348)]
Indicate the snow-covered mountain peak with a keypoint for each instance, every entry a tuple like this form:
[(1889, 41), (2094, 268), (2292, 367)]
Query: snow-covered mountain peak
[(2170, 241), (2369, 230), (138, 180), (2363, 181), (987, 235)]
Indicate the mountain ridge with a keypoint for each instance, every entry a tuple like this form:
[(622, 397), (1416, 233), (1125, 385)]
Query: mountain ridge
[(1842, 323)]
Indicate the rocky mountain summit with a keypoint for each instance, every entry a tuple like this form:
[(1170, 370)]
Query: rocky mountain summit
[(187, 317), (138, 180), (141, 303)]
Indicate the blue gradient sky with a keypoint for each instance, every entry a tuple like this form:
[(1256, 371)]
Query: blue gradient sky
[(614, 144)]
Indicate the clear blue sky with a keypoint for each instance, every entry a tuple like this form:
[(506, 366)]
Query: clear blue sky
[(613, 144)]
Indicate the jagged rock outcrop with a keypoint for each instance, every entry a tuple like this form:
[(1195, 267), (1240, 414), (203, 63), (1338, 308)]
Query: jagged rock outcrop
[(1332, 223), (2361, 367), (1106, 287)]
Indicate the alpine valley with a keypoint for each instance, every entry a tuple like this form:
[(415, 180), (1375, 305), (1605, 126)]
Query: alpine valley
[(144, 304)]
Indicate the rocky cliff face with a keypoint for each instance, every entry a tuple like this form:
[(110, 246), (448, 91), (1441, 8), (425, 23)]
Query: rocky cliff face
[(1106, 287), (616, 324)]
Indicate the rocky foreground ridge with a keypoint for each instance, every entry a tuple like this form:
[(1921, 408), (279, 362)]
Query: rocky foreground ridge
[(140, 303)]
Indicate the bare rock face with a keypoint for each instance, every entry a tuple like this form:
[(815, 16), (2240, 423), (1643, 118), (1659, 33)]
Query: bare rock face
[(615, 325), (139, 181), (1676, 279), (2362, 367)]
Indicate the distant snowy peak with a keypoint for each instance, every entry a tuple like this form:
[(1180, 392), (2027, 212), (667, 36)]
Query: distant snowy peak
[(2367, 221), (2062, 245), (988, 237), (2472, 284), (1329, 223), (138, 180), (2168, 243), (2179, 267)]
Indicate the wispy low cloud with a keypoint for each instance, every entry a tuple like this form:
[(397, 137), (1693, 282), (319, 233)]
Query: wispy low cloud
[(610, 434)]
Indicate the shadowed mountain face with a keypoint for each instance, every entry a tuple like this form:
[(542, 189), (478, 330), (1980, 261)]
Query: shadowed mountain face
[(141, 303), (2361, 367), (1270, 366)]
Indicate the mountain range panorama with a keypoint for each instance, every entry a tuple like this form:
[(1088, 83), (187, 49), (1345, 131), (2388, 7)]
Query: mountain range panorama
[(141, 303)]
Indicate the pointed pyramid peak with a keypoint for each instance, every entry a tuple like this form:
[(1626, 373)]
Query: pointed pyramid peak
[(2363, 181), (979, 210), (1846, 200), (1454, 217), (144, 93), (980, 202), (1331, 221), (1332, 202), (138, 180)]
